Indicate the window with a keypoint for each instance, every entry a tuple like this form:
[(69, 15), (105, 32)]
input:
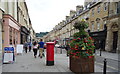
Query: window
[(98, 26), (98, 9), (105, 6), (105, 25), (118, 7), (92, 26), (92, 12), (10, 35)]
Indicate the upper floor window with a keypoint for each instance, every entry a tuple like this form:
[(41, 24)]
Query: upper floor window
[(92, 26), (92, 12), (98, 9), (98, 26), (118, 6), (104, 26), (105, 6)]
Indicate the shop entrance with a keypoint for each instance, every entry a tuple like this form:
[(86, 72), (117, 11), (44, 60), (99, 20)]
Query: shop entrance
[(115, 40)]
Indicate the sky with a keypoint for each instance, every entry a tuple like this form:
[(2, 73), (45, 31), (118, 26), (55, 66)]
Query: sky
[(45, 14)]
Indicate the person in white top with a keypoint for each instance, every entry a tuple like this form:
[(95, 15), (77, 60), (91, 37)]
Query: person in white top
[(35, 48)]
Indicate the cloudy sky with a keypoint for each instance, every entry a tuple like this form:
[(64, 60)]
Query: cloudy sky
[(45, 14)]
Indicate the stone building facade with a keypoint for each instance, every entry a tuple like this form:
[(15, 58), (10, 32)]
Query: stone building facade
[(11, 29), (23, 19), (113, 27), (103, 27), (97, 23), (14, 18), (1, 36)]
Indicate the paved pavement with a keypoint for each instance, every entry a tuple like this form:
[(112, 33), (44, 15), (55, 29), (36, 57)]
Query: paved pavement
[(27, 63), (112, 56), (0, 62), (113, 61)]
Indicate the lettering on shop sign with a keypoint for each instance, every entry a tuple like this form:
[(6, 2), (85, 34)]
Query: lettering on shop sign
[(94, 34), (25, 30)]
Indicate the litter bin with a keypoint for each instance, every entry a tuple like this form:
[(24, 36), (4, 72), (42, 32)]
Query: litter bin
[(50, 54)]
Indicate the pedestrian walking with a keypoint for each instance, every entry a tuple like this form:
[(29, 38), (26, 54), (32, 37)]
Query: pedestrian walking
[(41, 47), (35, 48), (67, 47), (30, 46), (25, 46)]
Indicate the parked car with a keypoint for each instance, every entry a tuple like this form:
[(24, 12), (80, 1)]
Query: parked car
[(57, 46)]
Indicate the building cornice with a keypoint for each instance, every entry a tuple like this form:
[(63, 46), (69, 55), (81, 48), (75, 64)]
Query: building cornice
[(1, 10), (11, 18)]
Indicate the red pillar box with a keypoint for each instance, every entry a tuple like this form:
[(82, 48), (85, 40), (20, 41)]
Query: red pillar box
[(50, 54)]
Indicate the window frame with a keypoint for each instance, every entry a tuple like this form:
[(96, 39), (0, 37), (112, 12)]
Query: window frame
[(105, 6), (98, 26), (98, 9), (93, 12), (92, 26)]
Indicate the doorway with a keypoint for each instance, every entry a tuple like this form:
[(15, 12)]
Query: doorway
[(115, 40)]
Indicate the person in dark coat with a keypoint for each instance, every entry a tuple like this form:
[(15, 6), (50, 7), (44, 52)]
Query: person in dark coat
[(67, 48), (25, 46)]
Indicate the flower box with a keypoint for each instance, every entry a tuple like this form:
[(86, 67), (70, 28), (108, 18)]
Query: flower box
[(83, 65)]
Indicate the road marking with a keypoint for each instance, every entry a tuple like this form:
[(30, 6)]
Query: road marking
[(107, 66)]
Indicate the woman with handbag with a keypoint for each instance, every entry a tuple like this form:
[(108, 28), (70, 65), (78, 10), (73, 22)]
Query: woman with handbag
[(35, 48)]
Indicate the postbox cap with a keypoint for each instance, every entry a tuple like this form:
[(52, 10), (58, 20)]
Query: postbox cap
[(50, 42)]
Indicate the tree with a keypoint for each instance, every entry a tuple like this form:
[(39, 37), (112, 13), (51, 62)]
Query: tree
[(82, 44)]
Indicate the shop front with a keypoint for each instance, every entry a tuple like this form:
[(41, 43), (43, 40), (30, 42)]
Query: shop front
[(24, 34), (11, 31), (113, 35), (99, 39)]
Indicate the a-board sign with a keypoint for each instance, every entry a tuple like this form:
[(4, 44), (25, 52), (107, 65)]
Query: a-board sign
[(19, 48), (8, 55)]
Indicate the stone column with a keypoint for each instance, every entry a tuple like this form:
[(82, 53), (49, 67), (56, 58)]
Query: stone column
[(18, 41), (0, 32), (109, 39), (6, 33), (118, 46)]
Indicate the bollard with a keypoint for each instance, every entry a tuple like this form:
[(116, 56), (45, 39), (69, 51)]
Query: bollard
[(61, 50), (100, 52), (105, 66)]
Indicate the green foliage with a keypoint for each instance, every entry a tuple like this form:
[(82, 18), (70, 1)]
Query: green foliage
[(82, 44), (80, 25)]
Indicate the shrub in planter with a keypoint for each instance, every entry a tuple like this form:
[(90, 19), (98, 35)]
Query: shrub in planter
[(81, 49)]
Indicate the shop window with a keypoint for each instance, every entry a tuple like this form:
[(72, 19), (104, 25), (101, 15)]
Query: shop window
[(10, 36), (16, 38)]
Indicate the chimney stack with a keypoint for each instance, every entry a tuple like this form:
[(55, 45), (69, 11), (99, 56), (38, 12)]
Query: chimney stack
[(79, 7), (72, 12), (67, 18)]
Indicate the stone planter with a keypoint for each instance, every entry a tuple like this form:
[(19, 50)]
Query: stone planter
[(83, 65)]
